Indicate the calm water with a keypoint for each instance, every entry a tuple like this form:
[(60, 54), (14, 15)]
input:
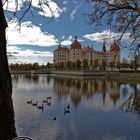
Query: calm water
[(100, 109)]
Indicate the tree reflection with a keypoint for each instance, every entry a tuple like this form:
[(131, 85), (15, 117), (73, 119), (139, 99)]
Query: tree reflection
[(7, 123), (133, 104), (75, 89)]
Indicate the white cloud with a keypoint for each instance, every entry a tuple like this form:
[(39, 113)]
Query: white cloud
[(18, 55), (69, 40), (57, 11), (63, 37), (72, 15), (65, 2), (54, 9), (99, 36), (29, 34), (15, 51), (66, 42), (70, 37)]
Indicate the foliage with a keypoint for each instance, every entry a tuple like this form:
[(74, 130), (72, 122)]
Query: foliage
[(103, 66), (120, 16), (95, 63), (26, 7), (111, 64), (78, 64), (85, 63), (68, 64), (118, 65)]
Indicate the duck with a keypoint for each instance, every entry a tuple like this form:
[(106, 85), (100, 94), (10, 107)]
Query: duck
[(45, 101), (54, 118), (68, 106), (49, 103), (66, 110), (49, 98), (41, 107), (29, 102), (35, 104)]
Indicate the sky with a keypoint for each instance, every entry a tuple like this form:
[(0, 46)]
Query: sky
[(39, 33)]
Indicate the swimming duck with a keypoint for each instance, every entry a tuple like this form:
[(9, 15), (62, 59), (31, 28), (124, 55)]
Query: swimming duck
[(68, 106), (49, 98), (66, 110), (29, 102), (54, 118), (41, 107), (34, 104)]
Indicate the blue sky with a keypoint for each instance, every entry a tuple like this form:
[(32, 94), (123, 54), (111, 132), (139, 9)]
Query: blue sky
[(38, 37)]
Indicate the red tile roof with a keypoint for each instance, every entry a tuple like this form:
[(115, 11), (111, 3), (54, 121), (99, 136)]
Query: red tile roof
[(62, 49), (100, 53), (88, 49), (75, 45)]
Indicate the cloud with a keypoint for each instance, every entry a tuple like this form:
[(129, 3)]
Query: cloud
[(16, 55), (47, 9), (65, 2), (57, 11), (69, 40), (15, 51), (99, 36), (66, 42), (29, 34), (72, 15)]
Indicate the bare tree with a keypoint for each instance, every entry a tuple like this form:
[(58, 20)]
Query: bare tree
[(5, 77), (122, 16), (7, 127)]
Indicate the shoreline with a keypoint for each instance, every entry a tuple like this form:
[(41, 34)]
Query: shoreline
[(109, 74)]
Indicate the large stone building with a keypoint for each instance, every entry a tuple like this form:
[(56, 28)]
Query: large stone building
[(77, 52)]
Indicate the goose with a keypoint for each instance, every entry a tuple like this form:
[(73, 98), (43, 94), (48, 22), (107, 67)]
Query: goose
[(49, 97), (54, 118), (41, 107), (68, 106), (66, 110), (49, 103), (29, 102), (45, 101), (34, 104)]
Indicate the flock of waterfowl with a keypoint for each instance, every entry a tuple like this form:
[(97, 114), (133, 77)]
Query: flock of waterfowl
[(47, 101)]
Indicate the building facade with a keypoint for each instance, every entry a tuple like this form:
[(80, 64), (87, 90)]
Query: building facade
[(77, 52)]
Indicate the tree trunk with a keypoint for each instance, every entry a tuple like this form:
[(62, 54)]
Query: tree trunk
[(5, 77), (7, 123)]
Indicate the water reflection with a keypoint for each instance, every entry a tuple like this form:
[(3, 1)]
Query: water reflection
[(106, 92), (94, 108), (133, 103), (7, 122)]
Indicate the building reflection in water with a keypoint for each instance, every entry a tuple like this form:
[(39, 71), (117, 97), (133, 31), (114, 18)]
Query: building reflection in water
[(7, 122), (86, 97), (78, 88)]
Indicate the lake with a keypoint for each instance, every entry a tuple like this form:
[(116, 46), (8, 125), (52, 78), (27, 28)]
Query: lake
[(99, 108)]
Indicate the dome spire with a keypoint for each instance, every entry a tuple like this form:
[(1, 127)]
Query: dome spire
[(75, 44), (75, 38)]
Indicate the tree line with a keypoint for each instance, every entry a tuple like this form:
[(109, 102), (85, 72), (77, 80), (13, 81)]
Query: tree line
[(78, 65)]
